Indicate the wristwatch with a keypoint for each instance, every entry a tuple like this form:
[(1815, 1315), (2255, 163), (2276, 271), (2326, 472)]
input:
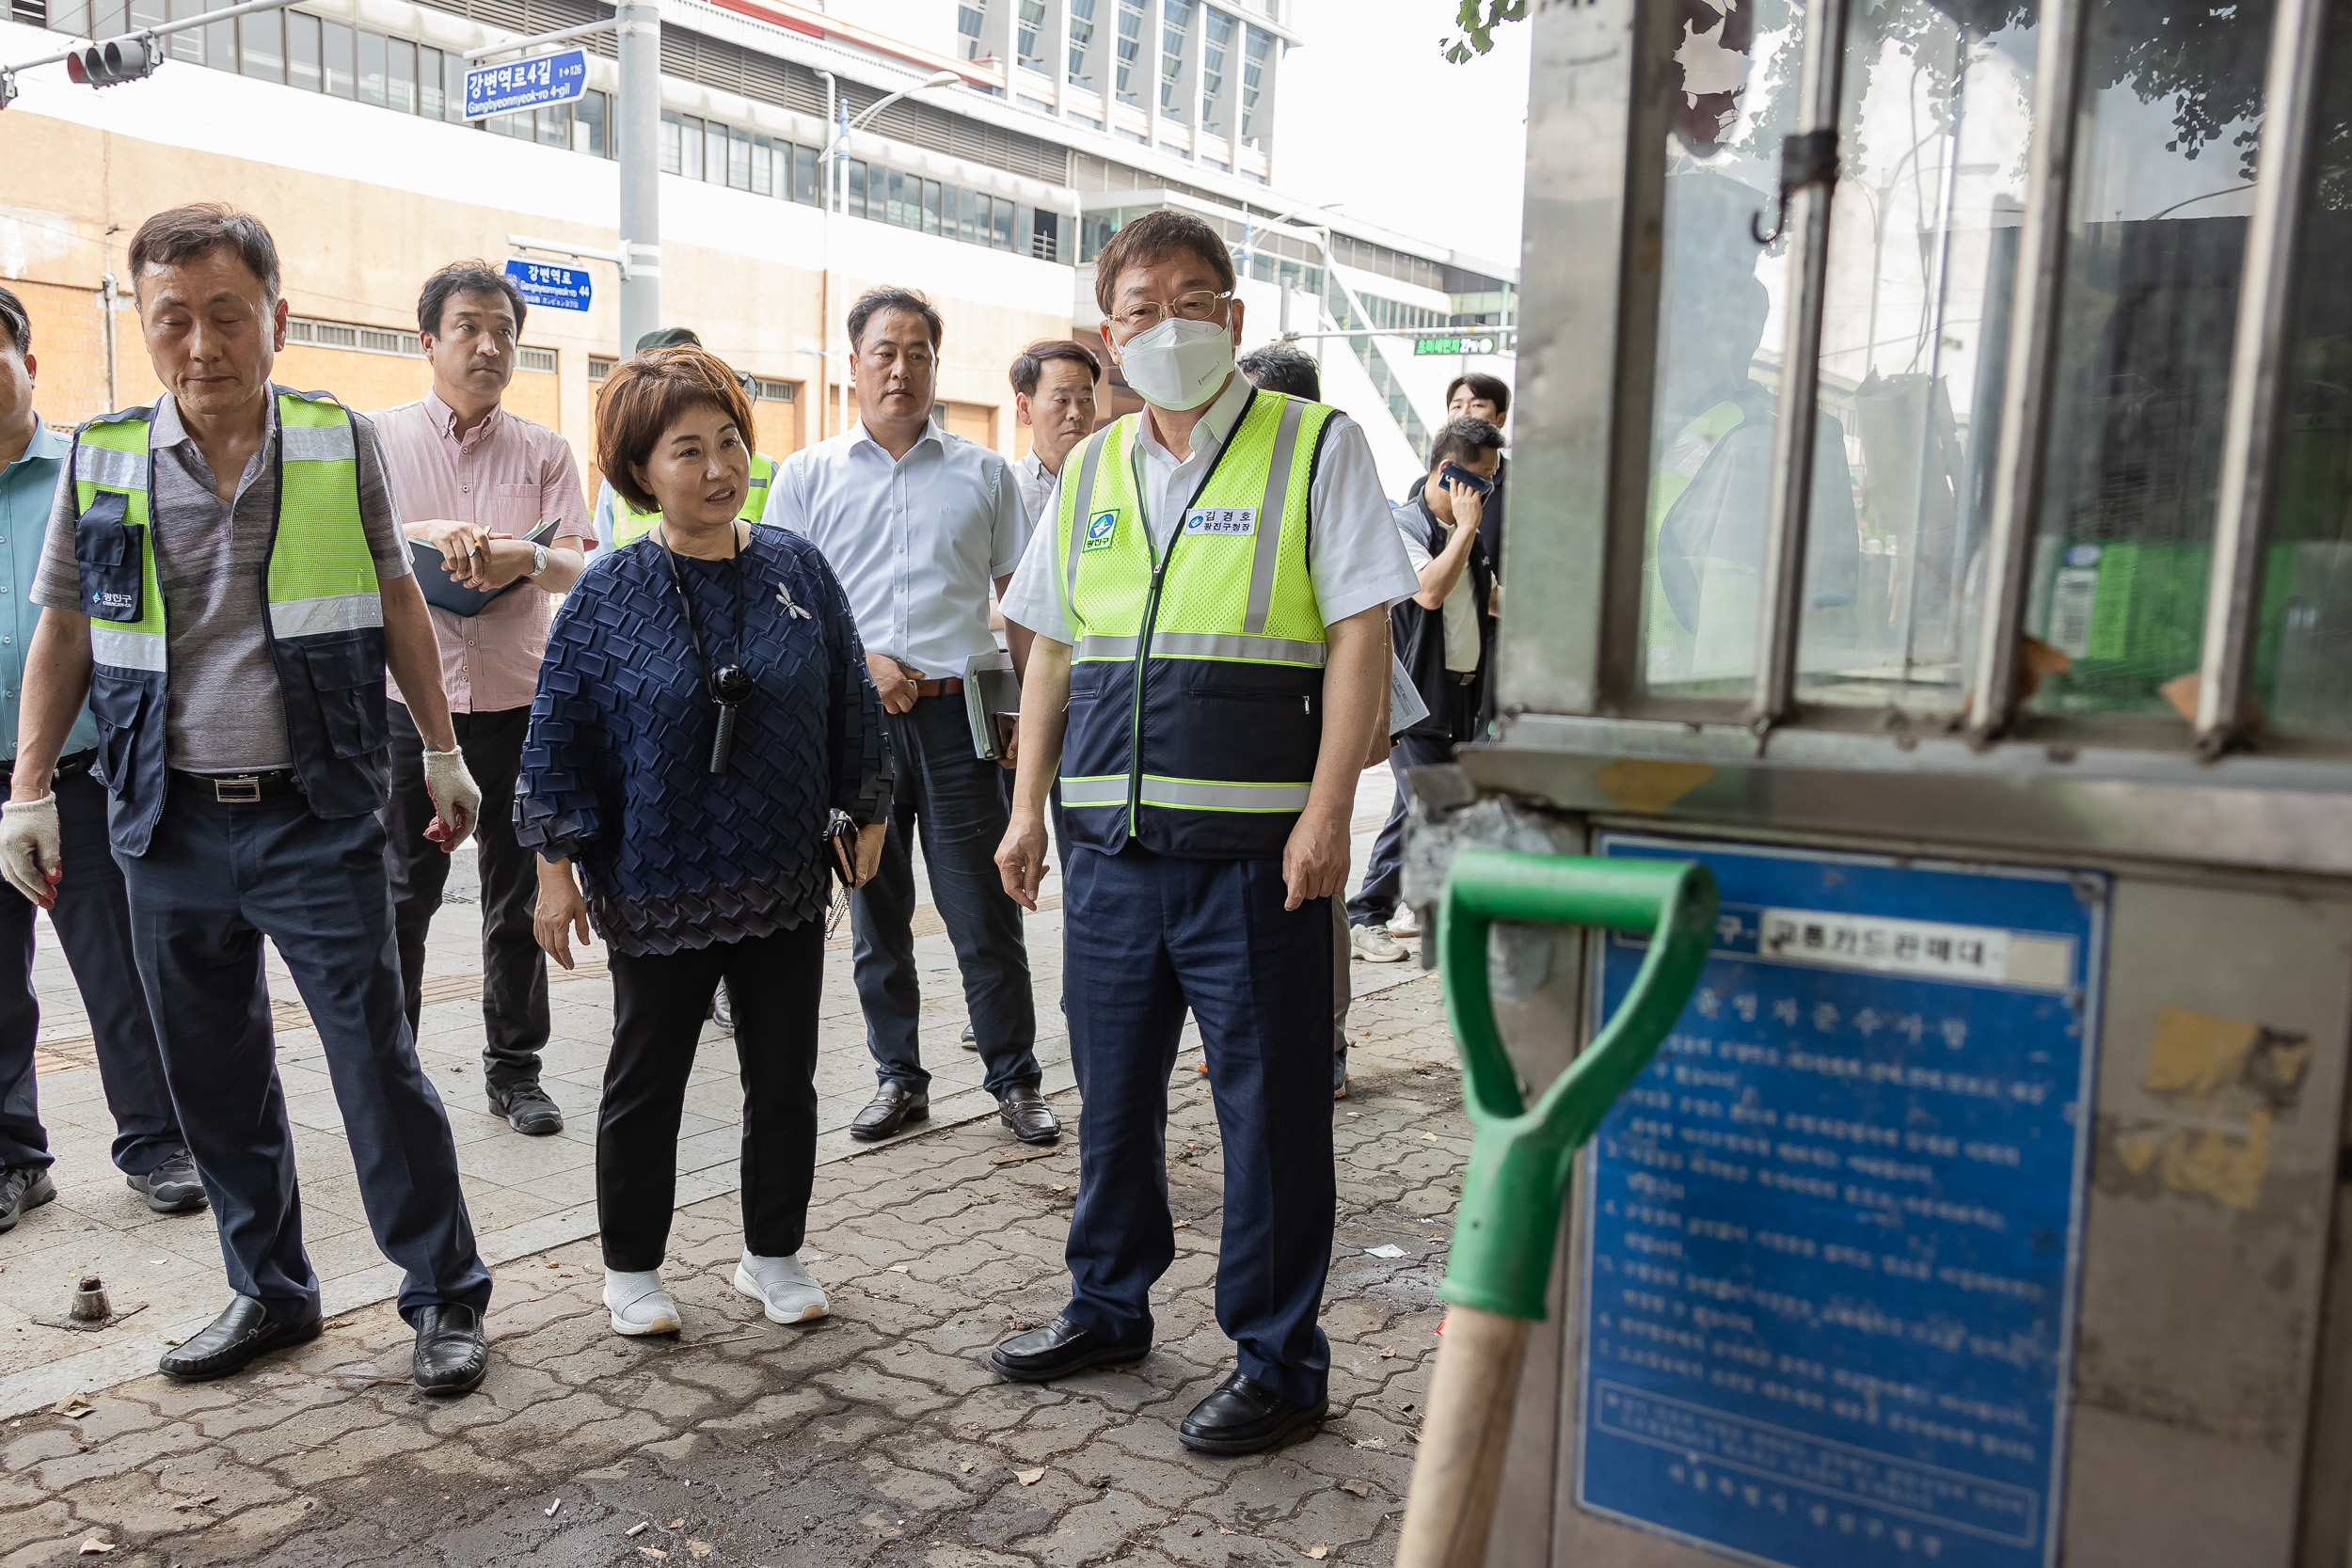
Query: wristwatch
[(538, 560)]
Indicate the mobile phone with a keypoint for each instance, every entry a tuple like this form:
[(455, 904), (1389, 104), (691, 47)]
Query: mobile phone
[(1454, 473)]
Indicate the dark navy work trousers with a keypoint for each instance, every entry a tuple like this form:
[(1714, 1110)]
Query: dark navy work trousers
[(215, 880), (954, 797), (1384, 872), (1144, 937), (92, 920)]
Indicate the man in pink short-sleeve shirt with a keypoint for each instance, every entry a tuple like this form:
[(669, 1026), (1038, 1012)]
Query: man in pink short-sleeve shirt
[(475, 482)]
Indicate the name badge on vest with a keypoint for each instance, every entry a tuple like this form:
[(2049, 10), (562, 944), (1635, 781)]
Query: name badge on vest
[(1237, 522), (1099, 530)]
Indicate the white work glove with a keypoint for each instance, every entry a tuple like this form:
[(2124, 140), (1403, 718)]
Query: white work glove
[(29, 855), (457, 799)]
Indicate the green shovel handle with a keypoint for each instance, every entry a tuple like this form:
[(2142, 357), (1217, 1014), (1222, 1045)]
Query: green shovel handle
[(1521, 1157)]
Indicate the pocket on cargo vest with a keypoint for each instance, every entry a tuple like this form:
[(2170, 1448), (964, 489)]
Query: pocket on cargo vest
[(106, 553), (114, 703), (347, 678)]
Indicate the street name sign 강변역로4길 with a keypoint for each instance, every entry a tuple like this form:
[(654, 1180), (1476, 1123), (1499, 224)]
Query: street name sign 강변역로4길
[(1832, 1230), (556, 288), (517, 85)]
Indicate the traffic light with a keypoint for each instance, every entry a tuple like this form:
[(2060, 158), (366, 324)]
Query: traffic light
[(123, 59)]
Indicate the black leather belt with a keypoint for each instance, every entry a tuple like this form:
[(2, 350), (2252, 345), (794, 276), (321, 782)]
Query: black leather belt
[(1462, 677), (242, 790), (68, 765)]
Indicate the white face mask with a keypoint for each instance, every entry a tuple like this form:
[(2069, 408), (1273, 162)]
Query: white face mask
[(1179, 364)]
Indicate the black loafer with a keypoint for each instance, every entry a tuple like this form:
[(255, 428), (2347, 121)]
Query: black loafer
[(22, 1188), (891, 1108), (1023, 1109), (172, 1187), (723, 1008), (1243, 1416), (235, 1338), (527, 1109), (450, 1356), (1057, 1350)]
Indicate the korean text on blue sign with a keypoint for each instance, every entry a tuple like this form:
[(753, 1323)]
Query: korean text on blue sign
[(501, 89), (556, 288), (1832, 1232)]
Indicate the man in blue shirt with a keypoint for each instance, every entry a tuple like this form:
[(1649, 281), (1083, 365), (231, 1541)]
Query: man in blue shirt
[(93, 915)]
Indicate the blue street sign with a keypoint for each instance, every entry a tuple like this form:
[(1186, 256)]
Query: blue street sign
[(501, 89), (1832, 1232), (542, 283)]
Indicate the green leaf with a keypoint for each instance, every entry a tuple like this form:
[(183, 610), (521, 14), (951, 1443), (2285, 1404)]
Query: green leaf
[(1476, 22)]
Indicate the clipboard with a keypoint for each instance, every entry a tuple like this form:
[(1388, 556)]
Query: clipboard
[(992, 701), (443, 591)]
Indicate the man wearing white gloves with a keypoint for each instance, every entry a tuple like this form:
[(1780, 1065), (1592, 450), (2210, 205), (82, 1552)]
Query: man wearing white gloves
[(226, 581)]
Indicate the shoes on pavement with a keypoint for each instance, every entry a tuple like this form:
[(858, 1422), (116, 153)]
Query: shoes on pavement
[(1339, 1073), (1405, 922), (246, 1330), (968, 1039), (892, 1106), (1243, 1416), (527, 1109), (450, 1356), (1023, 1109), (723, 1008), (1057, 1350), (23, 1187), (786, 1289), (639, 1304), (172, 1187), (1372, 944)]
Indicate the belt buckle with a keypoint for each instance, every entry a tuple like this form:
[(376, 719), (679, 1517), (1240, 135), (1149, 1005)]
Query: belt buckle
[(237, 792)]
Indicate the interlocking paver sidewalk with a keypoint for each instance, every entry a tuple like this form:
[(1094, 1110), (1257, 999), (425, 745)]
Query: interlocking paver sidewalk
[(876, 1436)]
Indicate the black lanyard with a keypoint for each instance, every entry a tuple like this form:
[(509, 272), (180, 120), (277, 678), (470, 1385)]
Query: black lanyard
[(730, 683)]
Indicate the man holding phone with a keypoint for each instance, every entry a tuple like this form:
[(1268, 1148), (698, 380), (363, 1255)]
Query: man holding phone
[(1441, 635), (502, 503)]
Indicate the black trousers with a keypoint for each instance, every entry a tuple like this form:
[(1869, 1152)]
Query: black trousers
[(659, 1003), (514, 970), (1384, 872), (92, 919)]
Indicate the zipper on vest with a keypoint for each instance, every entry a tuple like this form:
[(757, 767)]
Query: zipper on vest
[(1143, 653)]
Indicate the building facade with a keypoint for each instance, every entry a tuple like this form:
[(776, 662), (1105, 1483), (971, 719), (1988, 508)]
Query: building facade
[(341, 123)]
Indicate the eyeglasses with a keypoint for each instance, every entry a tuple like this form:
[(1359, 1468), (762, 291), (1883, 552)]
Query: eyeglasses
[(1198, 305)]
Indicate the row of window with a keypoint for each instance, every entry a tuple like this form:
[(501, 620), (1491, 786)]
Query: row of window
[(763, 388), (698, 149), (320, 55), (1219, 34), (375, 340)]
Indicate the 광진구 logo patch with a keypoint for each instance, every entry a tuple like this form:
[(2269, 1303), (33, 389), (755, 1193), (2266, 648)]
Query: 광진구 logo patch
[(1099, 530)]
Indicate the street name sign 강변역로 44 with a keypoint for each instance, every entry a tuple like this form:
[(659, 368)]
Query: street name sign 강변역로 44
[(546, 284), (517, 85)]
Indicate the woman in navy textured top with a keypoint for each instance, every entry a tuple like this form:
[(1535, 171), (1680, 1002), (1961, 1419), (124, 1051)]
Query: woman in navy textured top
[(702, 711)]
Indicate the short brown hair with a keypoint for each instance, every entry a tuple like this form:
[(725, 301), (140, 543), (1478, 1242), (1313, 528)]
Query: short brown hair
[(1155, 237), (641, 400), (180, 234), (1033, 361)]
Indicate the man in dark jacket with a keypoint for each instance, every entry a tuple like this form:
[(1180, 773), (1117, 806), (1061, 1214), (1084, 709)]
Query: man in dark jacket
[(1443, 637)]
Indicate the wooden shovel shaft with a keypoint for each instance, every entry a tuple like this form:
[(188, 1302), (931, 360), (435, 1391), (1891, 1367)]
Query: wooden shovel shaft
[(1459, 1464)]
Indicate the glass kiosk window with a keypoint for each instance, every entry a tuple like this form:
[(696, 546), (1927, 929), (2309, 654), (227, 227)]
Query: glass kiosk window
[(2163, 184)]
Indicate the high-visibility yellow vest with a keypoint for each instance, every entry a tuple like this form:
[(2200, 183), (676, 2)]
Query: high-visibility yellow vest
[(323, 620), (631, 525), (1196, 684)]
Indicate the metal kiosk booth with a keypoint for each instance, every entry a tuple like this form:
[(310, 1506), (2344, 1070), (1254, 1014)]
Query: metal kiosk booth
[(1932, 510)]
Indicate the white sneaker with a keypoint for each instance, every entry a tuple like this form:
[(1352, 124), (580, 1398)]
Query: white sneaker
[(639, 1304), (1373, 945), (1405, 922), (782, 1286)]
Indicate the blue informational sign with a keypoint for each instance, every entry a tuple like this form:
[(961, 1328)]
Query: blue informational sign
[(557, 288), (501, 89), (1833, 1230)]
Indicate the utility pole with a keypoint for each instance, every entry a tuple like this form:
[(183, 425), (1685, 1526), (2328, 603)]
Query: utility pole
[(637, 113)]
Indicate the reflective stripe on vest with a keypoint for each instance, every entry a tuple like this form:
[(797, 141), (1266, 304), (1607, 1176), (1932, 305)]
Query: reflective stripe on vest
[(629, 524), (1196, 675), (319, 590)]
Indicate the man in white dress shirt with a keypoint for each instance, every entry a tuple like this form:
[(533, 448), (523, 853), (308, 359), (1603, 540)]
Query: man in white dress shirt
[(918, 525), (1052, 395)]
